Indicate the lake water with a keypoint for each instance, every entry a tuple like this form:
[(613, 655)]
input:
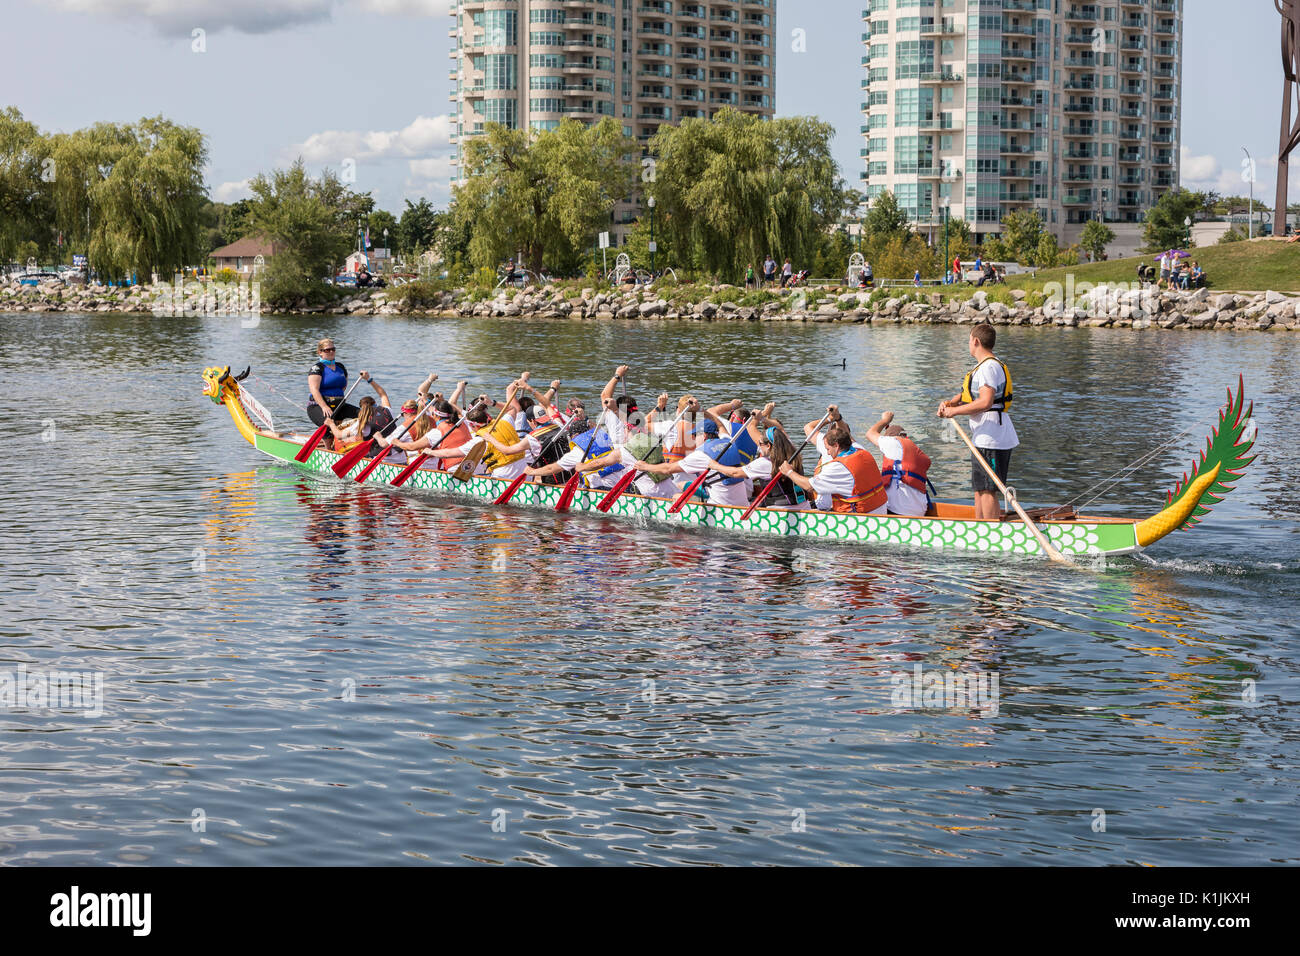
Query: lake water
[(296, 671)]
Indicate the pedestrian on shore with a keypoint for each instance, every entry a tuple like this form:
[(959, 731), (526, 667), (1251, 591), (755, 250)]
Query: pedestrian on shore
[(769, 270), (750, 279), (916, 278), (787, 273)]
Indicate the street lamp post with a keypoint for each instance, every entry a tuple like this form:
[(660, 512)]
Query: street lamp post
[(943, 204), (1250, 178), (1188, 224), (654, 246)]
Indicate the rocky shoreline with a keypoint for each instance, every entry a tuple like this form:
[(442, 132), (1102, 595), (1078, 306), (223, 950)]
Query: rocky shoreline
[(1101, 307)]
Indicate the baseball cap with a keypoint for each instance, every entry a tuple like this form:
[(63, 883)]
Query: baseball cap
[(706, 427)]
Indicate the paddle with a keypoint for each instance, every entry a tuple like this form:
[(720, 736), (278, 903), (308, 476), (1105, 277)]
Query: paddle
[(1050, 551), (686, 495), (518, 483), (571, 486), (469, 464), (349, 461), (777, 477), (305, 452), (608, 501), (415, 465)]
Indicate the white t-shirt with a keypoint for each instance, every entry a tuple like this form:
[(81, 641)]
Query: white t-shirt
[(645, 483), (468, 447), (721, 493), (903, 499), (614, 427), (573, 458), (988, 432)]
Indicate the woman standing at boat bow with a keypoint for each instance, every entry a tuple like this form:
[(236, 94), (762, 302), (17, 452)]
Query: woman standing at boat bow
[(327, 383)]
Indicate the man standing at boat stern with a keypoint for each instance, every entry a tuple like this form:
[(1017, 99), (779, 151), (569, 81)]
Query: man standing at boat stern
[(985, 396)]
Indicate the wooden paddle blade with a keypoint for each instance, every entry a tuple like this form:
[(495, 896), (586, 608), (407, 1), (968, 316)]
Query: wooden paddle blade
[(312, 442), (566, 496), (686, 495), (410, 469), (380, 455), (608, 501), (469, 464), (349, 461), (510, 491), (761, 495)]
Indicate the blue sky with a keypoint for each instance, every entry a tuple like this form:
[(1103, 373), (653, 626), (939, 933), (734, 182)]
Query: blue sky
[(367, 80)]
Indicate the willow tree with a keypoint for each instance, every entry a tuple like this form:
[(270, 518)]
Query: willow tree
[(133, 193), (737, 187), (542, 194), (23, 191)]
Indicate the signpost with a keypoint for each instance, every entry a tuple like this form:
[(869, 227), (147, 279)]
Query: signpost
[(604, 244)]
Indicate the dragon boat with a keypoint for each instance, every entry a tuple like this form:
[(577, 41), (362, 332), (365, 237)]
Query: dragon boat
[(949, 526)]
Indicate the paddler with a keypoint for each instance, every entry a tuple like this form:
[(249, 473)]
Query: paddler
[(847, 479), (737, 453), (904, 468), (618, 413), (592, 453), (985, 396), (493, 463)]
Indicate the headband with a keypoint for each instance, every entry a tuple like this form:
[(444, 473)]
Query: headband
[(771, 434)]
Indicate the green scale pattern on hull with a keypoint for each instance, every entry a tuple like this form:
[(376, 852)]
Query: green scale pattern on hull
[(1007, 537)]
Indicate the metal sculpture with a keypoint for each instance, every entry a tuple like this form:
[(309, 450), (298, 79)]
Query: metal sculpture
[(1290, 137)]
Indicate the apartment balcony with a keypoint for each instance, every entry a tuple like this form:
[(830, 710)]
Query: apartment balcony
[(1132, 66), (1130, 179), (1164, 139), (1015, 196), (943, 30), (1135, 44), (936, 125), (664, 72), (1084, 198), (1007, 149), (658, 51), (1132, 135), (1022, 6), (1020, 173), (1132, 112), (692, 96), (1016, 101), (942, 77), (1081, 152), (1082, 15), (1134, 21), (1130, 156), (1080, 107), (1080, 132), (1163, 181), (1017, 52), (1128, 201), (1165, 6), (1013, 29), (1077, 39), (1165, 73), (1086, 62), (1079, 176), (1015, 125), (655, 30), (1087, 85), (1164, 93)]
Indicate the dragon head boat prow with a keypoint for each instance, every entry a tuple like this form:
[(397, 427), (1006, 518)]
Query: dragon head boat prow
[(223, 388), (1221, 464)]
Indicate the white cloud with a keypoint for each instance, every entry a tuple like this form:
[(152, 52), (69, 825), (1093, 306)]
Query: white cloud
[(231, 192), (181, 17), (1197, 169), (424, 135)]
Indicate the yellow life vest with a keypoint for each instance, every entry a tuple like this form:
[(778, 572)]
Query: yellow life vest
[(505, 433), (1002, 400)]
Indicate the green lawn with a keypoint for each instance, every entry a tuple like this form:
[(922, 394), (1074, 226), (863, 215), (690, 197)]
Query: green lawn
[(1259, 265)]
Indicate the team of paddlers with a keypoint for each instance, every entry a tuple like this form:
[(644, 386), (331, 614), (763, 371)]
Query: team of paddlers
[(531, 436)]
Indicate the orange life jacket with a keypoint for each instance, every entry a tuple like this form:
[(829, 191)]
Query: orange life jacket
[(460, 436), (911, 470), (679, 450), (868, 488)]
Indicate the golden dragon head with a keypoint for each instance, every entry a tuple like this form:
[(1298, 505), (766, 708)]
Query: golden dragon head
[(219, 385)]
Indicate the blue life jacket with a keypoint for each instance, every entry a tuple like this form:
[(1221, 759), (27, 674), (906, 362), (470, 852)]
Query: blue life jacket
[(600, 447), (741, 452), (333, 380)]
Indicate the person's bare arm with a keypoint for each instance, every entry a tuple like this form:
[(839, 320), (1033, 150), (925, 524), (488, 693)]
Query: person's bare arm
[(831, 410), (803, 482), (607, 394), (981, 404), (874, 432)]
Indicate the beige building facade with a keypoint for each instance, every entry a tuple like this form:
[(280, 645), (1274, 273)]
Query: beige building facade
[(986, 107), (530, 64)]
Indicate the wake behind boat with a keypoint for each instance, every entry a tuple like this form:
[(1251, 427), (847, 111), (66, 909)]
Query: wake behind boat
[(950, 527)]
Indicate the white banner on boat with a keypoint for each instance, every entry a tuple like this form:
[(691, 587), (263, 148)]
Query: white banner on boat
[(256, 409)]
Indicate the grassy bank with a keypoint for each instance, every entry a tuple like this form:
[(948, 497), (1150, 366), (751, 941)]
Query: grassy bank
[(1256, 266)]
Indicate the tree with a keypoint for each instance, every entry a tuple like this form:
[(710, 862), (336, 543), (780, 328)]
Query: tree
[(901, 255), (1094, 239), (311, 222), (24, 196), (1022, 232), (418, 227), (1048, 251), (1164, 223), (736, 188), (378, 221), (995, 250), (529, 192), (886, 218), (1232, 235), (959, 243)]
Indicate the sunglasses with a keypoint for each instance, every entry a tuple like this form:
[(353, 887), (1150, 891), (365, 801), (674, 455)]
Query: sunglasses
[(323, 351)]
